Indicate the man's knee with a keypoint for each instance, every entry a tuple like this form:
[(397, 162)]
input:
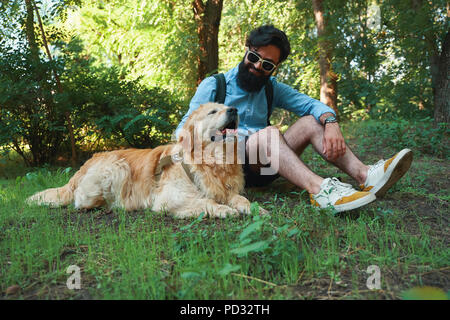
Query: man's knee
[(310, 123), (264, 138), (262, 144), (306, 126)]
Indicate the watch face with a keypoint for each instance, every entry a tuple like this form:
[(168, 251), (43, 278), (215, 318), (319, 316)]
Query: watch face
[(330, 119)]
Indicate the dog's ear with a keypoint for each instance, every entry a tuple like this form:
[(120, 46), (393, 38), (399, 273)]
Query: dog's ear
[(186, 137)]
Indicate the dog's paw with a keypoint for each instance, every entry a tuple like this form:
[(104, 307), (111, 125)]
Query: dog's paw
[(243, 209), (223, 211), (241, 204)]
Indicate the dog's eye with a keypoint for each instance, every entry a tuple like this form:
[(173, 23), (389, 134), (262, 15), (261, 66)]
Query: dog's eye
[(212, 112)]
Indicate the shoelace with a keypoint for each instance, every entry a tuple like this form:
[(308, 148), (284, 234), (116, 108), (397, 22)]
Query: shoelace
[(376, 165), (340, 187)]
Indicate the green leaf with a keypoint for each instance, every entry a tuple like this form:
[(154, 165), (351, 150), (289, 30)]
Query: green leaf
[(254, 247), (251, 228), (228, 269), (293, 232), (190, 275), (254, 207)]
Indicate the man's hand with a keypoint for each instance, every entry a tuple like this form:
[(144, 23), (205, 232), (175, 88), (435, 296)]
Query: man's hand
[(333, 142)]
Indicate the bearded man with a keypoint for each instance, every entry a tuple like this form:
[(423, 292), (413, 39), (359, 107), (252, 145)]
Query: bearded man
[(266, 48)]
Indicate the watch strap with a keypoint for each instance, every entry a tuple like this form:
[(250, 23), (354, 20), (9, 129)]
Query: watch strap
[(330, 119)]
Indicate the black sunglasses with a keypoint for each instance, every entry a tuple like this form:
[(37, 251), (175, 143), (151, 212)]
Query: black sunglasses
[(254, 58)]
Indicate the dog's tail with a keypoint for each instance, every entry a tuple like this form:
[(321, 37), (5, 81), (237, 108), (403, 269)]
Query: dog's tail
[(56, 197)]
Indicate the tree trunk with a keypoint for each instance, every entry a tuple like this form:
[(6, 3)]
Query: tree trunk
[(29, 28), (442, 84), (207, 16), (439, 69), (328, 79), (74, 159)]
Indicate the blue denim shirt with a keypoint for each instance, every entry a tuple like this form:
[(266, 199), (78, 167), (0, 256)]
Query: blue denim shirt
[(252, 106)]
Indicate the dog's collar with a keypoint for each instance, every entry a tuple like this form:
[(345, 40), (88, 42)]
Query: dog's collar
[(171, 159)]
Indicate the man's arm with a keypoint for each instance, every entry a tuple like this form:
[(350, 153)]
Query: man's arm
[(301, 104), (325, 116), (333, 141)]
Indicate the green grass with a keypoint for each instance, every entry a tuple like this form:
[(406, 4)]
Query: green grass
[(298, 252)]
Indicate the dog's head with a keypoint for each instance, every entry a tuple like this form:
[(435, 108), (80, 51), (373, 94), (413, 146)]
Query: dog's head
[(210, 123)]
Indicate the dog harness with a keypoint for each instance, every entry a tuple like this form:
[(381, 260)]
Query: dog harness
[(172, 159)]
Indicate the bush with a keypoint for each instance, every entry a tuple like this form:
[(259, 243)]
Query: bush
[(106, 111), (419, 135), (111, 111), (31, 122)]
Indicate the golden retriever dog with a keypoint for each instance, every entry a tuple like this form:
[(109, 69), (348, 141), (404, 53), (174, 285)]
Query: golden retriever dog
[(185, 185)]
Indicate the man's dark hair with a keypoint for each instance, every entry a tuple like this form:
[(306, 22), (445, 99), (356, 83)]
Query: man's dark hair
[(266, 35)]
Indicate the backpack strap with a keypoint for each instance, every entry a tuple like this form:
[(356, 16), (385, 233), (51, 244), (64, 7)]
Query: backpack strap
[(221, 91), (269, 98), (221, 88)]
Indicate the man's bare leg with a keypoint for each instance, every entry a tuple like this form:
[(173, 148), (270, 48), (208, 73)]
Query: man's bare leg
[(303, 132), (290, 166), (269, 146), (307, 130)]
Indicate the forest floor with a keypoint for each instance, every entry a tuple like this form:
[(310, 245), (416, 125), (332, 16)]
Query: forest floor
[(298, 252)]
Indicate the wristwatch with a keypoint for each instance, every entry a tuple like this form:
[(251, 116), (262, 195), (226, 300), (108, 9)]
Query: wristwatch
[(330, 119)]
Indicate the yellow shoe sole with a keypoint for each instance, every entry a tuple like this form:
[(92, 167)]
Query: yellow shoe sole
[(396, 169)]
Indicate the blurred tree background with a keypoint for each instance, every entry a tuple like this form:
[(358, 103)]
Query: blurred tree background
[(81, 76)]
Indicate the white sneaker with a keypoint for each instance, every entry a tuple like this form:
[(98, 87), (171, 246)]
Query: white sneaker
[(383, 174), (340, 196)]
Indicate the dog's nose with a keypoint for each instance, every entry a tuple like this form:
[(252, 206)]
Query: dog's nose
[(232, 110)]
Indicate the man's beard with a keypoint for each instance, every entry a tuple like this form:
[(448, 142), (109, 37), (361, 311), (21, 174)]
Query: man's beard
[(249, 81)]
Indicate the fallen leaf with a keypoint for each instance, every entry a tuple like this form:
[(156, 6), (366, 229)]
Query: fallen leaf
[(12, 290)]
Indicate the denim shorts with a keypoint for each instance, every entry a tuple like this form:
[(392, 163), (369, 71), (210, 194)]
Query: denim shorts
[(254, 179)]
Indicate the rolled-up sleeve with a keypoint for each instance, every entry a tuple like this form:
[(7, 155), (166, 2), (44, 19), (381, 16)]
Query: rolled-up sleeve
[(299, 103), (206, 92)]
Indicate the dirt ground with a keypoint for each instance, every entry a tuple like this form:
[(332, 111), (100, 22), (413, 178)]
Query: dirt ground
[(434, 210)]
